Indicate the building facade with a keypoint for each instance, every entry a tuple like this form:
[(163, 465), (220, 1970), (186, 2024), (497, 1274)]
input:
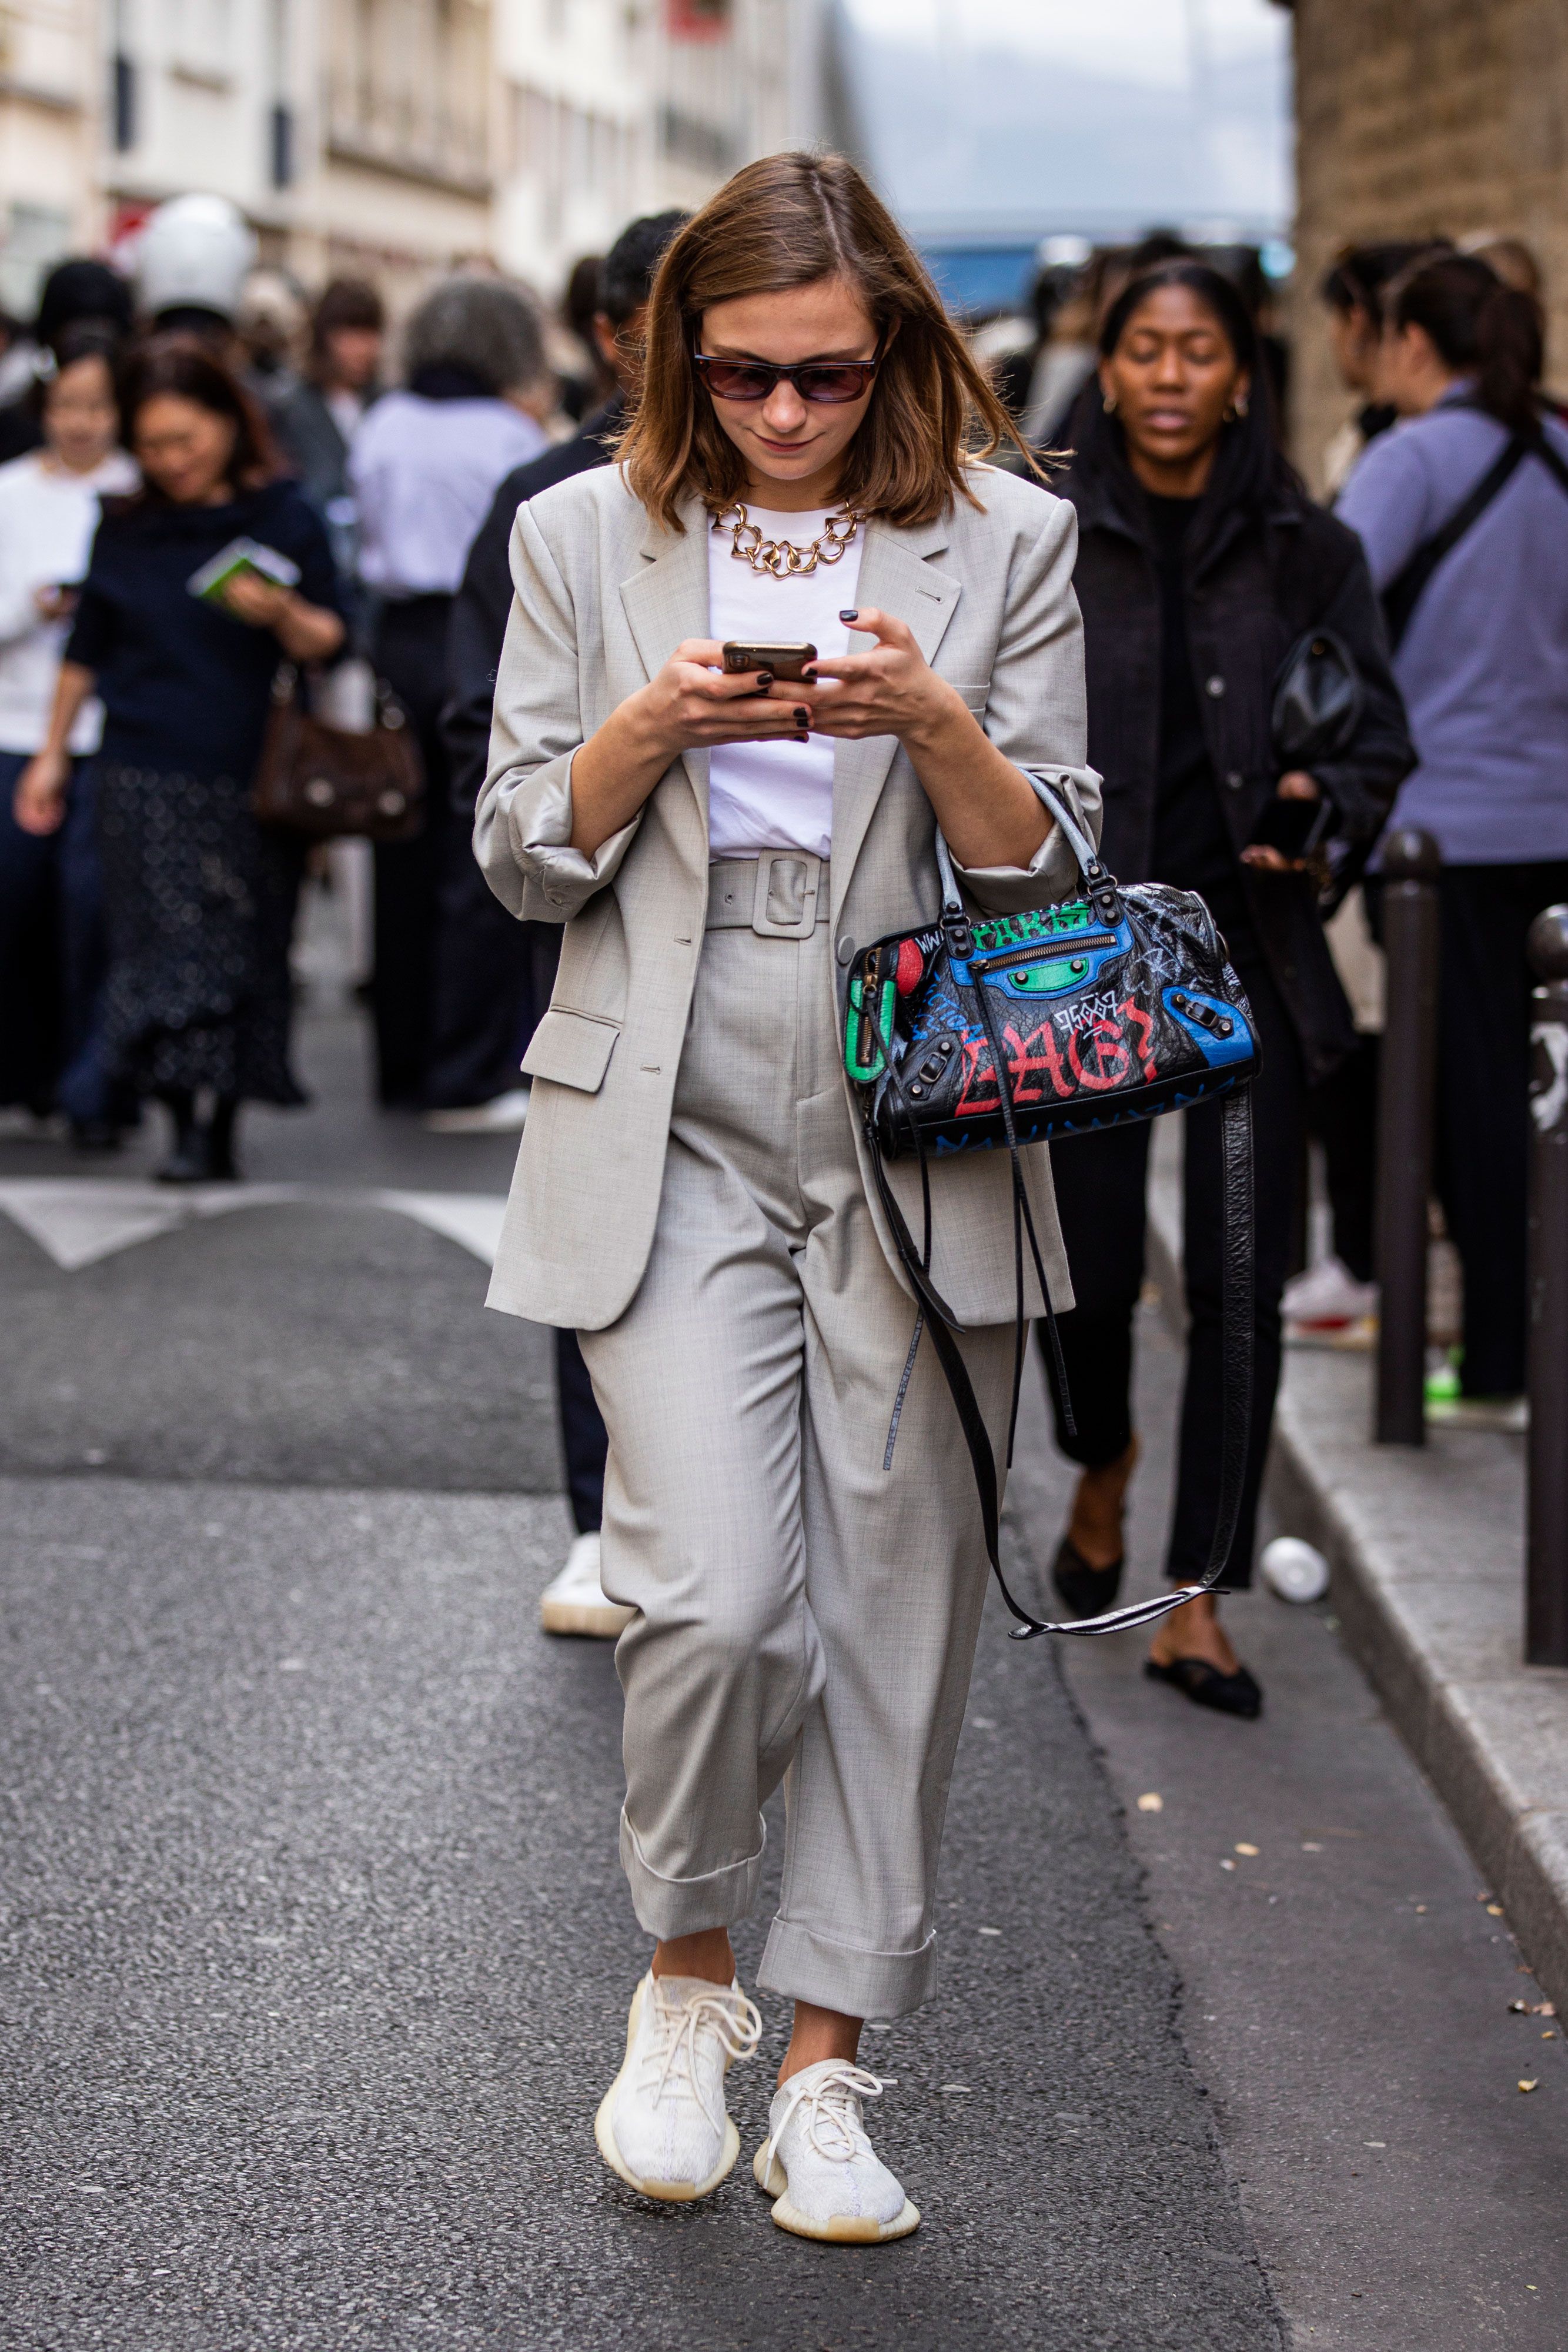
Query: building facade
[(391, 137), (1419, 116)]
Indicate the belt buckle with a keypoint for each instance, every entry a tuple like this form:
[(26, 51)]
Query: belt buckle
[(785, 905)]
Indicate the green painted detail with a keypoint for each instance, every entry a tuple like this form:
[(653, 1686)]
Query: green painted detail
[(1045, 979), (868, 1031), (1040, 923)]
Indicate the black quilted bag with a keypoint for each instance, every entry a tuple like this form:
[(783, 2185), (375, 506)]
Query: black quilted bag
[(988, 1033)]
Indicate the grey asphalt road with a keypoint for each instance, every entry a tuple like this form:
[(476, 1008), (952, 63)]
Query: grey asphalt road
[(314, 1954)]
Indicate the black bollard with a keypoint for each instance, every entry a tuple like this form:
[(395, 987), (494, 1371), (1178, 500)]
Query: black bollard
[(1546, 1541), (1406, 1087)]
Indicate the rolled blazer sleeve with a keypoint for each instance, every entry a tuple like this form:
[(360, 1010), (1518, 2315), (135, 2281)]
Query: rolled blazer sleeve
[(522, 821), (1037, 713)]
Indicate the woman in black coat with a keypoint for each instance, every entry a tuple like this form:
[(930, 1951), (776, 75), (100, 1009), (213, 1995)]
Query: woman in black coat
[(1201, 560), (198, 897)]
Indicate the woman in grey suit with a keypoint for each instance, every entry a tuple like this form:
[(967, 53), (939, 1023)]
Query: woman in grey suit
[(691, 1193)]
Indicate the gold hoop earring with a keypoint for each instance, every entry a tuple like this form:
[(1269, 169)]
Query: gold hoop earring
[(1108, 402)]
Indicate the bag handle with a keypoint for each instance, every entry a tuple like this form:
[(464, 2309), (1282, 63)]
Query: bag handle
[(1099, 885)]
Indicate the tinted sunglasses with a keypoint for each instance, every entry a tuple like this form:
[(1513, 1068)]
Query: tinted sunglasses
[(829, 382)]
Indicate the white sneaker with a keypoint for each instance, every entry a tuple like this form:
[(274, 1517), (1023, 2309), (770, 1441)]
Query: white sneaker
[(574, 1602), (817, 2164), (661, 2124), (1327, 1298), (502, 1115)]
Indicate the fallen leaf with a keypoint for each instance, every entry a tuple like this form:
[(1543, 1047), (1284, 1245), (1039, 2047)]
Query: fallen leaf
[(1251, 1851), (1153, 1802), (1519, 2009), (1227, 1863), (1543, 2009), (1309, 1845), (1494, 1910), (1527, 2086), (1420, 1907), (1550, 2035)]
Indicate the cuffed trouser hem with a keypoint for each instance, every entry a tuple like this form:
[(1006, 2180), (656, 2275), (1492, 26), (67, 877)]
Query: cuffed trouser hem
[(687, 1907), (807, 1967)]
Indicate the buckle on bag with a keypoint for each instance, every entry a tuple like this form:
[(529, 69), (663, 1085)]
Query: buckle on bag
[(785, 906)]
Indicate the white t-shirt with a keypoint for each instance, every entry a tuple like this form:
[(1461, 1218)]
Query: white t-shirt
[(47, 519), (778, 795)]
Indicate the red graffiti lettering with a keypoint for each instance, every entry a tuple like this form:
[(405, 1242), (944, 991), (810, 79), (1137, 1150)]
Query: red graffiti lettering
[(1109, 1056), (966, 1105), (1025, 1059), (1145, 1031)]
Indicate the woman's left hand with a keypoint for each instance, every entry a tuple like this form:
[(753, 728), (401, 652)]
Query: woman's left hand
[(891, 691), (260, 604), (1297, 786)]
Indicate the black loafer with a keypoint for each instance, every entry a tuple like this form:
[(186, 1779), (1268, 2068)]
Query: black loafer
[(1084, 1589), (1236, 1694)]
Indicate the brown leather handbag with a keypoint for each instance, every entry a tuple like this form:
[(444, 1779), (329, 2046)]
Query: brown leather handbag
[(329, 782)]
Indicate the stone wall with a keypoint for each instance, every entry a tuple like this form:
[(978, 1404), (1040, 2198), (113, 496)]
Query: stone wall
[(1415, 116)]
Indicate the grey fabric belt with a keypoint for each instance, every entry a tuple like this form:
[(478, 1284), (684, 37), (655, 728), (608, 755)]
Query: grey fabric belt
[(781, 895)]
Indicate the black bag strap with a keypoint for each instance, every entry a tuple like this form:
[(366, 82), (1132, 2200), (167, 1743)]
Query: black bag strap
[(1404, 591), (1236, 1345)]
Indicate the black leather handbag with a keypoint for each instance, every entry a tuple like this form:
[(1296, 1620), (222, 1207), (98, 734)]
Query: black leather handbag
[(982, 1034)]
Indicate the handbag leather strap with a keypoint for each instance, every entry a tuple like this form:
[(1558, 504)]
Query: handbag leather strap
[(1405, 591), (1236, 1310)]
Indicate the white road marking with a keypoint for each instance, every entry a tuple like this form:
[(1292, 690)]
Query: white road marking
[(80, 1220)]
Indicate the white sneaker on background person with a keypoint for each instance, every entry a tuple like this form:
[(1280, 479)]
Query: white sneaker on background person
[(574, 1602), (1328, 1297), (817, 2164), (663, 2124), (502, 1115)]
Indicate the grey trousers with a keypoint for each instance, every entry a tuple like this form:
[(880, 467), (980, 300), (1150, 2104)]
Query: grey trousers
[(803, 1613)]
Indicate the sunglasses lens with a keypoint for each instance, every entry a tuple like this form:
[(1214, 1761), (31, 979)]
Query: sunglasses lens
[(733, 380), (832, 384)]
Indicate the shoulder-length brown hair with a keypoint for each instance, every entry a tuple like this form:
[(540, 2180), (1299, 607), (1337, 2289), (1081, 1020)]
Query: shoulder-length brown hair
[(186, 367), (792, 220)]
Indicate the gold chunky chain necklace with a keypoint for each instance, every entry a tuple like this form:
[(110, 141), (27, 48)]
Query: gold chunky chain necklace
[(781, 557)]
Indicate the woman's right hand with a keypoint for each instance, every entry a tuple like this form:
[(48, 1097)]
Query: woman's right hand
[(693, 703), (39, 805)]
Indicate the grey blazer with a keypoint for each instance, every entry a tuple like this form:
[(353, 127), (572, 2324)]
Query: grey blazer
[(603, 597)]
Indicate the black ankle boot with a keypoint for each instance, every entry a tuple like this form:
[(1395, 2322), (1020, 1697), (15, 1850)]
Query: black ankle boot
[(187, 1160), (220, 1164)]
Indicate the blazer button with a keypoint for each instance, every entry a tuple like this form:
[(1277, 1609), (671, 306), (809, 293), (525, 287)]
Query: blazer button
[(846, 950), (1235, 780), (1213, 686)]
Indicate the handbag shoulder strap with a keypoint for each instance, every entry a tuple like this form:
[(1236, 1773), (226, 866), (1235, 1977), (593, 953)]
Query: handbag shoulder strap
[(1405, 591), (1084, 854)]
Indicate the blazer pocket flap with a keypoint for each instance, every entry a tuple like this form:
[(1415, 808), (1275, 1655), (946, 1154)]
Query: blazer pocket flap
[(571, 1049)]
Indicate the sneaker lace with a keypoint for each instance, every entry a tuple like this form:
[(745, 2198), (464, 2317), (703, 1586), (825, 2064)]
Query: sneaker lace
[(671, 2064), (832, 2121)]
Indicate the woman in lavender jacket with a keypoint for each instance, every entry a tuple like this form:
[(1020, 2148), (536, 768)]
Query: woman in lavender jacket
[(1484, 669)]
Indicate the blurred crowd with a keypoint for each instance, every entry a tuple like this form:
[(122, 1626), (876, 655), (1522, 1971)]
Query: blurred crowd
[(219, 495)]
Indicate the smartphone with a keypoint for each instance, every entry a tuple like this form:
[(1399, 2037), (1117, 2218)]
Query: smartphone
[(785, 661), (1292, 827)]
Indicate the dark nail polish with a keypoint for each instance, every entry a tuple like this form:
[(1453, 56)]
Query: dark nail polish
[(764, 680), (852, 614), (807, 677), (802, 717)]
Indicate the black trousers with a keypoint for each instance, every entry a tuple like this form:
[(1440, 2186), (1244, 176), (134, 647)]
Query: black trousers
[(1341, 1114), (1483, 1102), (1100, 1194), (411, 655)]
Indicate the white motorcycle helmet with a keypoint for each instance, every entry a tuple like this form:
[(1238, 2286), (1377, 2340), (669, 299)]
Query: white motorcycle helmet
[(194, 254)]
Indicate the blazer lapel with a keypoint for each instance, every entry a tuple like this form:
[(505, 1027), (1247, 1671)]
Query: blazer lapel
[(895, 577), (666, 600)]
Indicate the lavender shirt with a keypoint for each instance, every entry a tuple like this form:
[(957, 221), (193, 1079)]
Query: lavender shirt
[(425, 473), (1484, 665)]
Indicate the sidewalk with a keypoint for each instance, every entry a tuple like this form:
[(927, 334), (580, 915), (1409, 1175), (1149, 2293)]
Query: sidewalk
[(1426, 1547)]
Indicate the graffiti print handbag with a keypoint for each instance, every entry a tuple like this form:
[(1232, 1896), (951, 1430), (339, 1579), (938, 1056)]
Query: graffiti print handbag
[(982, 1034)]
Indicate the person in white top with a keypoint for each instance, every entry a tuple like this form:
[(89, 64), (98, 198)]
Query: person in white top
[(51, 949)]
